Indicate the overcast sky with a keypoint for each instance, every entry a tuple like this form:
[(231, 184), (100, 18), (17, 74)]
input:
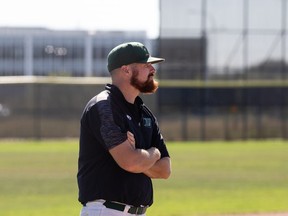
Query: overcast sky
[(82, 15), (93, 15)]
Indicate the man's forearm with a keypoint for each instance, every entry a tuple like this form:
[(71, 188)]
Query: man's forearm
[(145, 159), (161, 169)]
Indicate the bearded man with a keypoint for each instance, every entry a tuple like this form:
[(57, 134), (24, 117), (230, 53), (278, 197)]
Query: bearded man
[(121, 147)]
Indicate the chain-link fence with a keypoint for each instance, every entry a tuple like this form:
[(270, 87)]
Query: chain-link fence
[(51, 108), (227, 80)]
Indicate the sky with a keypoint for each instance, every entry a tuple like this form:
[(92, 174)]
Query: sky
[(90, 15), (125, 15)]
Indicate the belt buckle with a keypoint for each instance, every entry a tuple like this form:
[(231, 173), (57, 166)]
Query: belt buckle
[(140, 210), (137, 209)]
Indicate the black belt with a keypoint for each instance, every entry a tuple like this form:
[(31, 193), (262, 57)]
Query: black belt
[(121, 207)]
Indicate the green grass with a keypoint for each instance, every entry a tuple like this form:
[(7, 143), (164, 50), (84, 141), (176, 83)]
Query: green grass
[(215, 178), (209, 178)]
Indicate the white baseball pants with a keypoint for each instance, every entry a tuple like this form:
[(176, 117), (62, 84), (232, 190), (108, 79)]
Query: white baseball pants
[(98, 209)]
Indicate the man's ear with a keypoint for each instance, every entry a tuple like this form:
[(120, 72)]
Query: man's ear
[(125, 69)]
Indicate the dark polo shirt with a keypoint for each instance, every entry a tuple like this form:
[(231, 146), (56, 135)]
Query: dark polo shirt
[(105, 121)]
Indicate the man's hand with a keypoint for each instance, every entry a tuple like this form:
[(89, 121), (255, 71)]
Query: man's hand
[(131, 139), (161, 168), (134, 160), (152, 150)]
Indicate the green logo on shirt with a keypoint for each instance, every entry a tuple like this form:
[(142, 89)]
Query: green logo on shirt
[(147, 122)]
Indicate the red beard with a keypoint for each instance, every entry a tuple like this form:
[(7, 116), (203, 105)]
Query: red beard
[(149, 86)]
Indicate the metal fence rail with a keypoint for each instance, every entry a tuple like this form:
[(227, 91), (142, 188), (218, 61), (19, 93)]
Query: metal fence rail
[(51, 108), (224, 110)]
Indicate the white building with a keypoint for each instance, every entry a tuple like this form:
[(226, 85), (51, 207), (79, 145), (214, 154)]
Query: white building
[(182, 43), (42, 52)]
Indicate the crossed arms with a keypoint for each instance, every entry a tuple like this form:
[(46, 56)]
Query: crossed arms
[(134, 160)]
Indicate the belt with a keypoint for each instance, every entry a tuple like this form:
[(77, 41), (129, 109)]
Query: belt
[(121, 207)]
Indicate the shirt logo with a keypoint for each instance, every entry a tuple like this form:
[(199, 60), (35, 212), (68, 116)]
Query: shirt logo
[(129, 117), (147, 122)]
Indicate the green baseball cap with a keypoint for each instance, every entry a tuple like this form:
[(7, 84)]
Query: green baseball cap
[(128, 53)]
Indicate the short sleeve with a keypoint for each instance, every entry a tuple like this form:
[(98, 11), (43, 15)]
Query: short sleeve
[(110, 131)]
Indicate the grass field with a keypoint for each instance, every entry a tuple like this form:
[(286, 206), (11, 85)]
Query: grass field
[(209, 178)]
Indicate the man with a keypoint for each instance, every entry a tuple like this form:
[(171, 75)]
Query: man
[(121, 147)]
